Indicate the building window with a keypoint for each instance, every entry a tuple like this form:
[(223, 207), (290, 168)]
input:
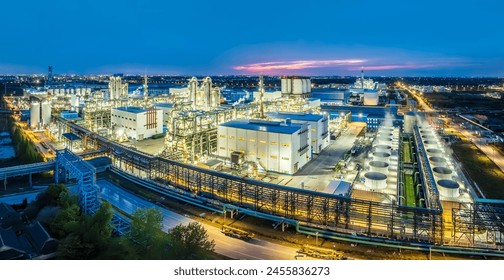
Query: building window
[(274, 157), (285, 145), (252, 140), (222, 148), (273, 143), (251, 153), (241, 138), (222, 136), (262, 141), (285, 158), (231, 137)]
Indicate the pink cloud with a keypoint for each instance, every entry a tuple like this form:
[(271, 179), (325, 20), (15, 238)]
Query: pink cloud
[(296, 65), (394, 66)]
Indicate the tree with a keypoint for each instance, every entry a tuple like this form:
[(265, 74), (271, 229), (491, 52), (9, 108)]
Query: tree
[(146, 234), (190, 242)]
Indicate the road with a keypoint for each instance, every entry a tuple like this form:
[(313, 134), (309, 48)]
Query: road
[(224, 245)]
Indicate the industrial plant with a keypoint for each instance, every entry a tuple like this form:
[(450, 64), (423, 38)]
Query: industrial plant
[(335, 162)]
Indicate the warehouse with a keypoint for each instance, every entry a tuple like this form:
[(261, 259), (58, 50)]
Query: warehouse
[(282, 147)]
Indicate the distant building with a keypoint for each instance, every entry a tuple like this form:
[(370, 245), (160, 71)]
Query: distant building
[(296, 87), (276, 146), (137, 123)]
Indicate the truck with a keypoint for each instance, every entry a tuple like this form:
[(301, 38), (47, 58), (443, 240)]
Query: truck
[(237, 233)]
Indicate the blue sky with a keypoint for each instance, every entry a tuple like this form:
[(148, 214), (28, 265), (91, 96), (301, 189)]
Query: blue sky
[(404, 38)]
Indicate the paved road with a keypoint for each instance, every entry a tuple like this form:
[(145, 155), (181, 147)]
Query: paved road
[(228, 246)]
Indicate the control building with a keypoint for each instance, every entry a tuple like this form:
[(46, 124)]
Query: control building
[(137, 123), (275, 146)]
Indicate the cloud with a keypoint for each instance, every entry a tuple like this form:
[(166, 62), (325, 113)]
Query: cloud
[(296, 65)]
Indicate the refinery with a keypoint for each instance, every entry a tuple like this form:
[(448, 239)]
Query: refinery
[(346, 164)]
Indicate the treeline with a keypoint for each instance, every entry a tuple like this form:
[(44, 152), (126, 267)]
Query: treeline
[(25, 150), (92, 237)]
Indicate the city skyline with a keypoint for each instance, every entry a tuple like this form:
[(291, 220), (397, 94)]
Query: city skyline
[(225, 38)]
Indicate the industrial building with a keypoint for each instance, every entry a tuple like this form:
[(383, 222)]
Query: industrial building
[(319, 127), (40, 114), (276, 146), (137, 123)]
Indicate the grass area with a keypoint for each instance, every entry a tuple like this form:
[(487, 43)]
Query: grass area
[(481, 169), (409, 190), (407, 152)]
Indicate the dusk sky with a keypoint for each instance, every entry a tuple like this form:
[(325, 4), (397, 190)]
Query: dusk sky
[(401, 38)]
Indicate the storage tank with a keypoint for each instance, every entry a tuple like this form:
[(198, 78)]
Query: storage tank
[(384, 140), (375, 180), (34, 114), (442, 172), (297, 86), (434, 152), (409, 122), (437, 161), (378, 166), (430, 144), (380, 156), (448, 188), (383, 148), (46, 113)]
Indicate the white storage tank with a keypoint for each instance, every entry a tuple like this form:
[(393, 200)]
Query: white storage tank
[(442, 172), (437, 161), (448, 188), (380, 156), (378, 166), (375, 180), (46, 113), (383, 148), (434, 152), (430, 144), (409, 122), (34, 114)]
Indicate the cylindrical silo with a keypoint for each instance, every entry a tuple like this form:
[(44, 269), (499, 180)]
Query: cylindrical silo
[(437, 161), (383, 148), (379, 156), (46, 113), (378, 166), (34, 114), (434, 152), (375, 180), (442, 172), (448, 188)]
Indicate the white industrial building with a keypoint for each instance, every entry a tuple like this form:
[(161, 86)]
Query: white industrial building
[(268, 95), (137, 123), (319, 127), (276, 146)]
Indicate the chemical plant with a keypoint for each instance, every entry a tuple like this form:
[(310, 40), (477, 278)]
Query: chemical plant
[(339, 164)]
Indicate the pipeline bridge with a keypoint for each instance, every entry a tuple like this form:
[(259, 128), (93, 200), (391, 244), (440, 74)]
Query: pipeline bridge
[(316, 210)]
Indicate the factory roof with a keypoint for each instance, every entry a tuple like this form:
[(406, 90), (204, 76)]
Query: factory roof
[(296, 116), (338, 187), (131, 109), (164, 105), (266, 126)]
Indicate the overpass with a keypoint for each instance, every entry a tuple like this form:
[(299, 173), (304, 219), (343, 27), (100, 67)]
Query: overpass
[(26, 169)]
